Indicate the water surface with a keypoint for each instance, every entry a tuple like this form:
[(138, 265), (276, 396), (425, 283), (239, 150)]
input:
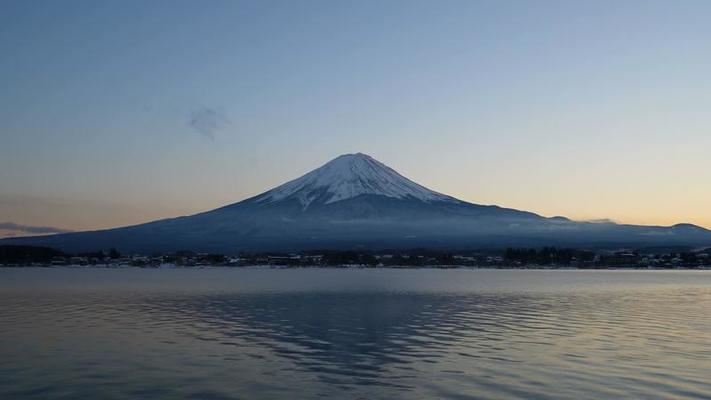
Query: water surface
[(354, 334)]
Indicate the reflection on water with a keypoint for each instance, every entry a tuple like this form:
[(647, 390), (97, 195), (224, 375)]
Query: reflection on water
[(354, 334)]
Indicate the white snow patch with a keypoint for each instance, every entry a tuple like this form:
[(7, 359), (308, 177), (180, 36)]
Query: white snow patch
[(348, 176)]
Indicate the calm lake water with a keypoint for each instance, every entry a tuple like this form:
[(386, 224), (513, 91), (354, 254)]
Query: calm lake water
[(354, 334)]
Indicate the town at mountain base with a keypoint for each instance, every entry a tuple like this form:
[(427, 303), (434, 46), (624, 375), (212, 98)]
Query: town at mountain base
[(356, 202)]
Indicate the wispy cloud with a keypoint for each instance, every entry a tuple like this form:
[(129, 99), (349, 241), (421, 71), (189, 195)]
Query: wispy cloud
[(602, 221), (19, 229), (206, 121)]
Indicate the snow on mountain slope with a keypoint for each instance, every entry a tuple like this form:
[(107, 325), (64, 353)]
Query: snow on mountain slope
[(348, 176)]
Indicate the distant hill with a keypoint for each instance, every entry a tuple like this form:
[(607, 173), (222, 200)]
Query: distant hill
[(356, 202)]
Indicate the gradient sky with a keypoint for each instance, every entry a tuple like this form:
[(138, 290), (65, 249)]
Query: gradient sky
[(119, 112)]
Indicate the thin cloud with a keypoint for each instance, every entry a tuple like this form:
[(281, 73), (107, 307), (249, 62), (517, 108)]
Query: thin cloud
[(206, 121), (601, 221), (30, 230)]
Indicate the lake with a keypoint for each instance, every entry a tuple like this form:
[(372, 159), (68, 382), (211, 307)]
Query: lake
[(354, 334)]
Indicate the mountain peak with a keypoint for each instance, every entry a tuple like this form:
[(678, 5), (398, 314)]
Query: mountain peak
[(353, 155), (348, 176), (351, 158)]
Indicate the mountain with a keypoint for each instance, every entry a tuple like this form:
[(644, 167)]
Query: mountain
[(356, 202)]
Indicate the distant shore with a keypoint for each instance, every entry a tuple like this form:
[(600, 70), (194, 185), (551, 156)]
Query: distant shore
[(510, 258), (343, 267)]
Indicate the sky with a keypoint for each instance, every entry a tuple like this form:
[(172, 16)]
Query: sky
[(119, 112)]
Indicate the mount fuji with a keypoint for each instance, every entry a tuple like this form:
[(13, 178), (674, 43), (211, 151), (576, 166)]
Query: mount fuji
[(357, 202)]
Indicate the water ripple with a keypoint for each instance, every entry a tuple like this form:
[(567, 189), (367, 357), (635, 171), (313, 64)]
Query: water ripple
[(645, 339)]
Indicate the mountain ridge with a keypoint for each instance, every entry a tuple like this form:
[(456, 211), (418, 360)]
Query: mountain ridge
[(355, 201)]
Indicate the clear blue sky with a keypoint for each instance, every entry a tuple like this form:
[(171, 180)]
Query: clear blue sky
[(118, 112)]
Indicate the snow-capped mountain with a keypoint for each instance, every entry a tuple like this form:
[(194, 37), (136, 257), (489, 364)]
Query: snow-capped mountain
[(355, 201), (349, 176)]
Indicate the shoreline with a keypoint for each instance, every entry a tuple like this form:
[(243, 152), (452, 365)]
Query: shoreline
[(354, 267)]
